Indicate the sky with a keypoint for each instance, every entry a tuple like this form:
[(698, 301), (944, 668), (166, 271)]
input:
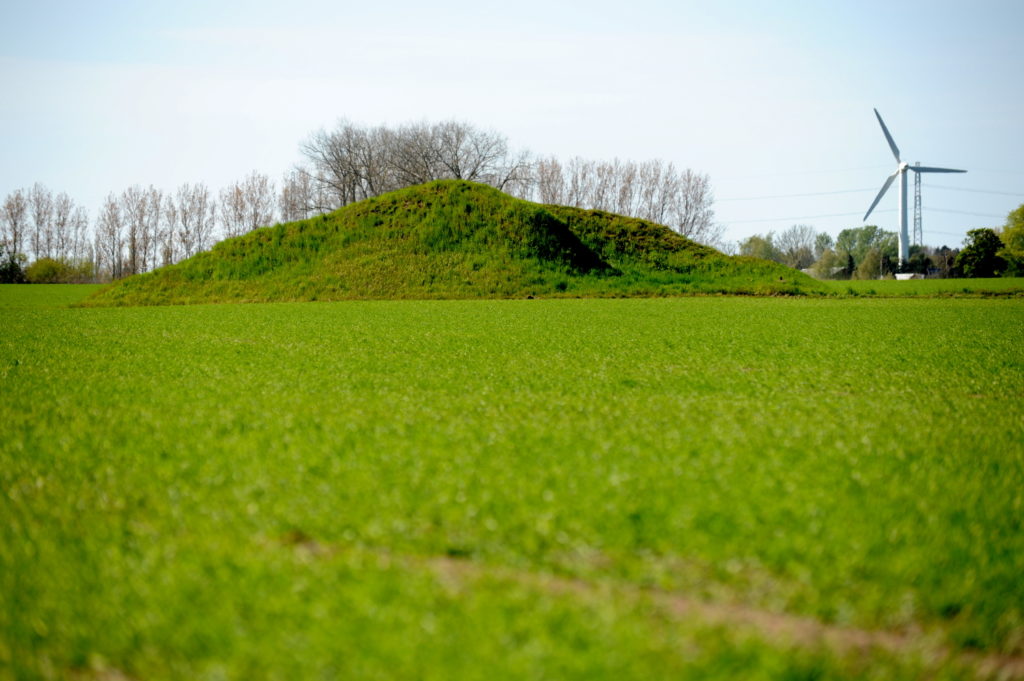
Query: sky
[(773, 101)]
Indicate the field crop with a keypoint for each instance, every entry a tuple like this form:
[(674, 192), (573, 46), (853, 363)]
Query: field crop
[(39, 296), (665, 488), (891, 288)]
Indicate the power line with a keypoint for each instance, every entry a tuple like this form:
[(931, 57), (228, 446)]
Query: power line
[(1019, 195), (817, 171), (806, 217), (997, 172), (866, 189), (846, 215), (964, 212), (856, 191), (794, 196)]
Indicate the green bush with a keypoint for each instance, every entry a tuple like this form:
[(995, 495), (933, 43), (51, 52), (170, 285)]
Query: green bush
[(54, 271), (980, 257), (11, 270), (46, 271)]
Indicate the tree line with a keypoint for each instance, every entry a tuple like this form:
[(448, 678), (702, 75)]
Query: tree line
[(47, 236), (870, 252), (857, 253), (136, 230)]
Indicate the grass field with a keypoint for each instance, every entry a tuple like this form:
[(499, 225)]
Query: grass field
[(43, 296), (890, 288), (696, 488)]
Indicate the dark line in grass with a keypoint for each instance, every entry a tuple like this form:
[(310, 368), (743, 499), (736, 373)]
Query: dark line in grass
[(796, 630)]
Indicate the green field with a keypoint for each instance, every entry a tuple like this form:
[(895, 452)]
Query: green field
[(890, 288), (40, 296), (695, 488)]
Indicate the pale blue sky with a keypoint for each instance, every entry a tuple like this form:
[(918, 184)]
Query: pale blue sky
[(769, 99)]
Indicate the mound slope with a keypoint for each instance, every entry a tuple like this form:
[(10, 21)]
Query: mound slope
[(453, 239)]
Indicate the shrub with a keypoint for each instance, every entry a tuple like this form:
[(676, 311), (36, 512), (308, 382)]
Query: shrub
[(45, 271), (51, 271), (11, 270)]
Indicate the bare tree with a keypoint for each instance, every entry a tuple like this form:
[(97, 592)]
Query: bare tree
[(246, 205), (79, 247), (796, 246), (413, 153), (353, 163), (186, 229), (460, 157), (649, 176), (297, 200), (204, 212), (579, 182), (71, 237), (605, 186), (652, 190), (672, 198), (466, 153), (167, 236), (346, 164), (41, 203), (134, 213), (65, 230), (15, 221), (196, 213), (694, 215), (151, 230), (259, 200), (330, 168), (514, 175), (63, 211), (232, 210), (550, 181), (627, 193), (110, 238), (373, 163)]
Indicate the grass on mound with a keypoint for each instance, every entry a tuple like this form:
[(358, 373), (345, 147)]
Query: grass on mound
[(452, 239)]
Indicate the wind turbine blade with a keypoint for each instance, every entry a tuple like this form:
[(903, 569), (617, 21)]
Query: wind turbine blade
[(926, 169), (888, 137), (878, 198)]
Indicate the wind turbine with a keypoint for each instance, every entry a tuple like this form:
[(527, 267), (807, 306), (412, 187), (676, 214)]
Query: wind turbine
[(901, 172)]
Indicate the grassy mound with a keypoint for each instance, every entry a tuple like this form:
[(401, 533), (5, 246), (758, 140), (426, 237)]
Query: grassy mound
[(452, 239)]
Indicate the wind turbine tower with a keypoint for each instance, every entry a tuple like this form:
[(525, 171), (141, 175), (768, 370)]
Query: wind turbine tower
[(901, 172)]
